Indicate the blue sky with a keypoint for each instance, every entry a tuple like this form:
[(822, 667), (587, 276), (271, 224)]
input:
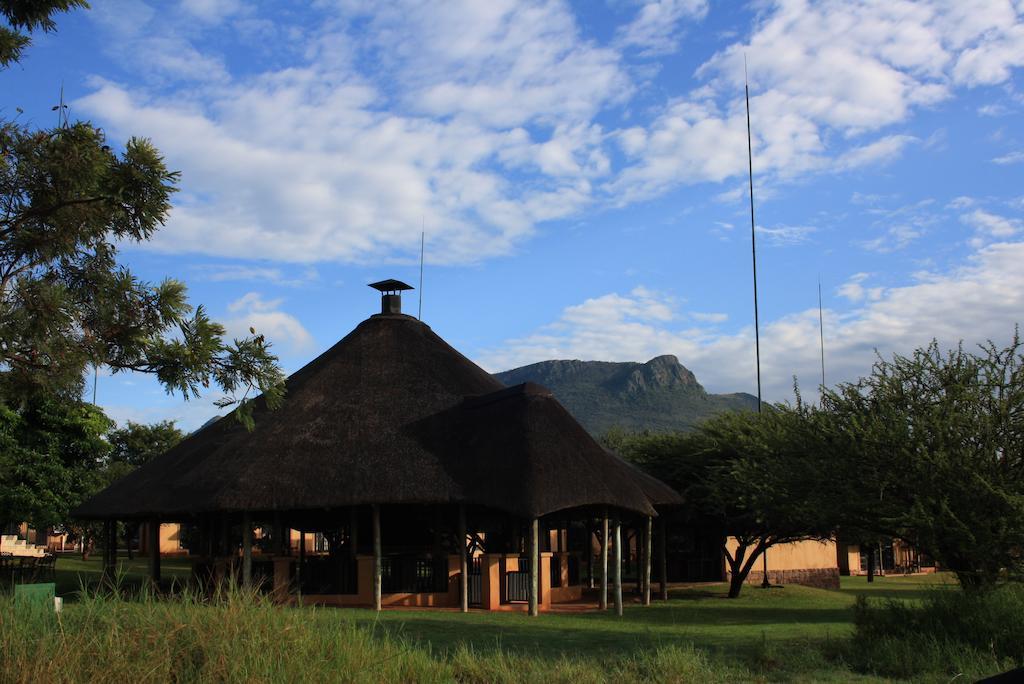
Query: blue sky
[(579, 169)]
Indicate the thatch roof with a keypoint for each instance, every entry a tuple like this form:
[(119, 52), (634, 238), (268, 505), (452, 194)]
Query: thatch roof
[(359, 426)]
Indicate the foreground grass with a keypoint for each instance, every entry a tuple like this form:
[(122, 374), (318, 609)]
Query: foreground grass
[(783, 634)]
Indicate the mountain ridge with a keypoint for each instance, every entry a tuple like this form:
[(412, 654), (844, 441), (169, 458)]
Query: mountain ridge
[(660, 395)]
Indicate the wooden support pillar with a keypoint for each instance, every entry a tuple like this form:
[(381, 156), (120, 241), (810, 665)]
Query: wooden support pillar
[(225, 536), (663, 557), (299, 566), (648, 534), (377, 560), (247, 550), (109, 550), (278, 535), (153, 529), (353, 532), (534, 565), (463, 565), (590, 553), (604, 560), (617, 569)]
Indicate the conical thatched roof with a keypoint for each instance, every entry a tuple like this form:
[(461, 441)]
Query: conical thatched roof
[(361, 424)]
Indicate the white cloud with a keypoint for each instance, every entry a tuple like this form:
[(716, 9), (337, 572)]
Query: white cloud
[(987, 224), (982, 299), (281, 329), (656, 30), (825, 78), (484, 119), (785, 235), (854, 290), (1010, 158)]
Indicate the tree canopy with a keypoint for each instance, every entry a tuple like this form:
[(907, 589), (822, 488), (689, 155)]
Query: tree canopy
[(24, 17), (52, 453), (748, 475), (930, 448), (66, 201)]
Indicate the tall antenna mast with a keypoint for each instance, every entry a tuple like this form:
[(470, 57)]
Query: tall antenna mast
[(753, 238), (423, 242), (821, 334), (765, 584)]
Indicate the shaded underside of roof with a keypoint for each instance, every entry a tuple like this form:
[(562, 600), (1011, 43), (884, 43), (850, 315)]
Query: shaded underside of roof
[(360, 425)]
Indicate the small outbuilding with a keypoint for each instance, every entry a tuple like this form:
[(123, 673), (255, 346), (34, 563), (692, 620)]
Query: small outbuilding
[(398, 472)]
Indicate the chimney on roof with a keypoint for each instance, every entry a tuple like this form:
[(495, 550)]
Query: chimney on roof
[(391, 295)]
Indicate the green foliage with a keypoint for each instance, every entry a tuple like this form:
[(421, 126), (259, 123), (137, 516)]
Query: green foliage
[(66, 199), (26, 16), (51, 452), (753, 476), (949, 632), (930, 448), (136, 443)]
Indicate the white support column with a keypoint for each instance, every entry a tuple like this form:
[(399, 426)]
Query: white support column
[(617, 570), (534, 566), (463, 565), (648, 534), (604, 560)]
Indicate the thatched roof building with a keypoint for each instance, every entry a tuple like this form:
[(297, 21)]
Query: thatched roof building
[(391, 415)]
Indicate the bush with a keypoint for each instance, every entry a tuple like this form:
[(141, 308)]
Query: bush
[(950, 632)]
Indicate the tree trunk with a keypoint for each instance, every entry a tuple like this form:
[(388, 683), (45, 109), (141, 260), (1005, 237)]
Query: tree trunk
[(871, 563), (741, 564)]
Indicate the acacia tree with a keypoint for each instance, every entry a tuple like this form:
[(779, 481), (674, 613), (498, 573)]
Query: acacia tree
[(936, 441), (66, 201), (748, 475)]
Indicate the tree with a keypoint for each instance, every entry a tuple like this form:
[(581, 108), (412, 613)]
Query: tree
[(937, 441), (751, 476), (66, 199), (26, 16), (51, 456), (136, 443)]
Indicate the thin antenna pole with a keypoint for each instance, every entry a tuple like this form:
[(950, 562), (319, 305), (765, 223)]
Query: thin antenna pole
[(753, 238), (423, 243), (765, 583), (821, 334)]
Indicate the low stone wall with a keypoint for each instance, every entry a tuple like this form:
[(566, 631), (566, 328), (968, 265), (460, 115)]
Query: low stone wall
[(822, 578)]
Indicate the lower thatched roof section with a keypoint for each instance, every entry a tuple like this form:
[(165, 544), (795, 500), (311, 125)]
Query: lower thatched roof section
[(382, 417)]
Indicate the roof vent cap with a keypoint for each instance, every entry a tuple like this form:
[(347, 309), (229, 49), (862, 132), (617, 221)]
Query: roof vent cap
[(391, 295)]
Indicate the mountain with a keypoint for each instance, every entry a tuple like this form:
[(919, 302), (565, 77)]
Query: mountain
[(660, 395)]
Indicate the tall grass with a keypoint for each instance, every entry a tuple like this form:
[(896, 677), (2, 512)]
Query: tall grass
[(949, 632), (239, 636)]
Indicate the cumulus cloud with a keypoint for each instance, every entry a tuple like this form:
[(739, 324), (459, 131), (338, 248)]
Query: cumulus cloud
[(484, 119), (982, 299), (826, 78), (282, 329), (656, 29)]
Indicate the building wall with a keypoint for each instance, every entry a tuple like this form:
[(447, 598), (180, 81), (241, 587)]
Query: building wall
[(810, 563), (170, 539)]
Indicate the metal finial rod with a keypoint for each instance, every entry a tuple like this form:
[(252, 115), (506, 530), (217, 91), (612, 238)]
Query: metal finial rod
[(423, 242)]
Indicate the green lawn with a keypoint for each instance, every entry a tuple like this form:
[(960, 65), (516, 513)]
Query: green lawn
[(788, 624), (699, 615), (72, 572)]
